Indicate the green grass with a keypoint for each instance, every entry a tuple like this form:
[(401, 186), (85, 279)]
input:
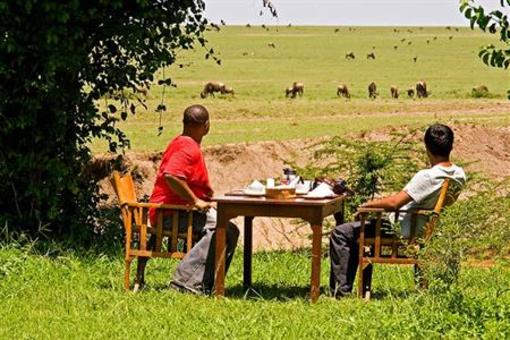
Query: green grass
[(70, 296), (315, 56)]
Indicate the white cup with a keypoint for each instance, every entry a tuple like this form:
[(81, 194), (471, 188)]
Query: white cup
[(270, 183)]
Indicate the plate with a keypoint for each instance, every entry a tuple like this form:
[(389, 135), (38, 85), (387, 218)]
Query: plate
[(253, 193), (317, 197)]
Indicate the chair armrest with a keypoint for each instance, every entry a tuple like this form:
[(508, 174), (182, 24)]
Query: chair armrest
[(159, 206), (370, 210), (410, 211)]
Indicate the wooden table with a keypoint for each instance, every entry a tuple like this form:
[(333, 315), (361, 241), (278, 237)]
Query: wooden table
[(312, 211)]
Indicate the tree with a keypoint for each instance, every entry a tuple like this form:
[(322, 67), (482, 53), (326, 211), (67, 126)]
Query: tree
[(56, 60), (496, 22)]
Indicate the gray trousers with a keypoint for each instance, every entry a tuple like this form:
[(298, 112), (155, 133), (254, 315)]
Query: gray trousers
[(196, 271), (344, 254)]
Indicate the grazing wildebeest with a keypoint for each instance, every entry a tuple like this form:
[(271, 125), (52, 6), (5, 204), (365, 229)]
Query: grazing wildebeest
[(271, 44), (394, 92), (421, 89), (372, 90), (212, 87), (371, 56), (428, 41), (248, 25), (263, 26), (395, 30), (456, 29), (448, 28), (395, 47), (337, 30), (297, 88), (373, 47), (415, 59), (410, 92), (402, 40), (409, 42), (350, 55), (343, 91), (223, 22), (435, 38), (450, 37)]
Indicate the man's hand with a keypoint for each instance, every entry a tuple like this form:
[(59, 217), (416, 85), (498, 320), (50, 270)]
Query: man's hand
[(202, 206)]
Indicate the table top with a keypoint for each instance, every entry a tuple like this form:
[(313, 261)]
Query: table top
[(236, 198)]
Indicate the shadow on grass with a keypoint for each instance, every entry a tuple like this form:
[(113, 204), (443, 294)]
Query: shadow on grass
[(393, 293), (262, 291)]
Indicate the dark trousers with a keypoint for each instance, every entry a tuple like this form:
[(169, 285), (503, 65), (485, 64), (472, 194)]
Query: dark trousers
[(344, 254), (196, 271)]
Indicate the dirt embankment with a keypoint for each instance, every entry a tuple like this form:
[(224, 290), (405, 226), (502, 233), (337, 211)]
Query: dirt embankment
[(486, 149)]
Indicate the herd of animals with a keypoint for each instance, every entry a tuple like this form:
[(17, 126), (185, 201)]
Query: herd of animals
[(419, 90), (298, 89), (342, 90)]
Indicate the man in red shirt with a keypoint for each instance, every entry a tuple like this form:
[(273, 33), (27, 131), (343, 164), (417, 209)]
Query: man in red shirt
[(182, 178)]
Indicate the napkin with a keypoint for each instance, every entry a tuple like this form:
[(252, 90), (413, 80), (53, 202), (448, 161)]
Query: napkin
[(256, 186), (322, 191)]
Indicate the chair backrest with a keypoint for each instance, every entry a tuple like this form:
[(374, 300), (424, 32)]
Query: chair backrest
[(124, 187), (446, 197)]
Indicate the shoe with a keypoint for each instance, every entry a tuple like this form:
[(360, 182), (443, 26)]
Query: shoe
[(138, 287)]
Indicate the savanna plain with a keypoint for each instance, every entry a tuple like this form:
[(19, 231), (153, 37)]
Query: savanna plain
[(50, 291)]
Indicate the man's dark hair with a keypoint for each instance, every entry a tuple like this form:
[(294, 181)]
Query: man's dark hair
[(195, 115), (439, 140)]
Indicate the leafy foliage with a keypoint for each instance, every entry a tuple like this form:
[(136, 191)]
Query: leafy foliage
[(56, 60), (496, 22), (474, 226), (369, 167)]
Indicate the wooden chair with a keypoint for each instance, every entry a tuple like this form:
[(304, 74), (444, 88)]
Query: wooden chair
[(143, 240), (387, 249)]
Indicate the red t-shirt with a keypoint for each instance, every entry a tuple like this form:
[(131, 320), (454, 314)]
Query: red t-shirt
[(182, 158)]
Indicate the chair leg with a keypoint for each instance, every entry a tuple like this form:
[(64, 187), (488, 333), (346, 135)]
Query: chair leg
[(367, 279), (127, 267), (364, 280), (140, 272)]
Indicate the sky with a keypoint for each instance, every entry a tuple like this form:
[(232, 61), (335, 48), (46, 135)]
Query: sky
[(343, 12)]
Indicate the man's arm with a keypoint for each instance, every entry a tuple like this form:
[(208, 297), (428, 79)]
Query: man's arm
[(181, 188), (393, 202)]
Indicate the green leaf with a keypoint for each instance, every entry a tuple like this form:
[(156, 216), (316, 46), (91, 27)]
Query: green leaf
[(468, 12)]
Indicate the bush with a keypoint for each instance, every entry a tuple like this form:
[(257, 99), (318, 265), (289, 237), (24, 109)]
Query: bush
[(476, 226)]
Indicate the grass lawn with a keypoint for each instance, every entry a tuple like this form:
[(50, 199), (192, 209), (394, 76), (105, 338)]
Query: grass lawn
[(71, 296)]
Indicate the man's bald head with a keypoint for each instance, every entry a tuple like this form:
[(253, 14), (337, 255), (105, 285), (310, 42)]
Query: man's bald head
[(195, 115)]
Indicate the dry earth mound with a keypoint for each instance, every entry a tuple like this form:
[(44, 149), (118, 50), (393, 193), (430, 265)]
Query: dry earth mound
[(231, 166)]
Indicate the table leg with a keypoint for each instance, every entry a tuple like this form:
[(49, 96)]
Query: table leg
[(316, 262), (248, 248), (219, 261)]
